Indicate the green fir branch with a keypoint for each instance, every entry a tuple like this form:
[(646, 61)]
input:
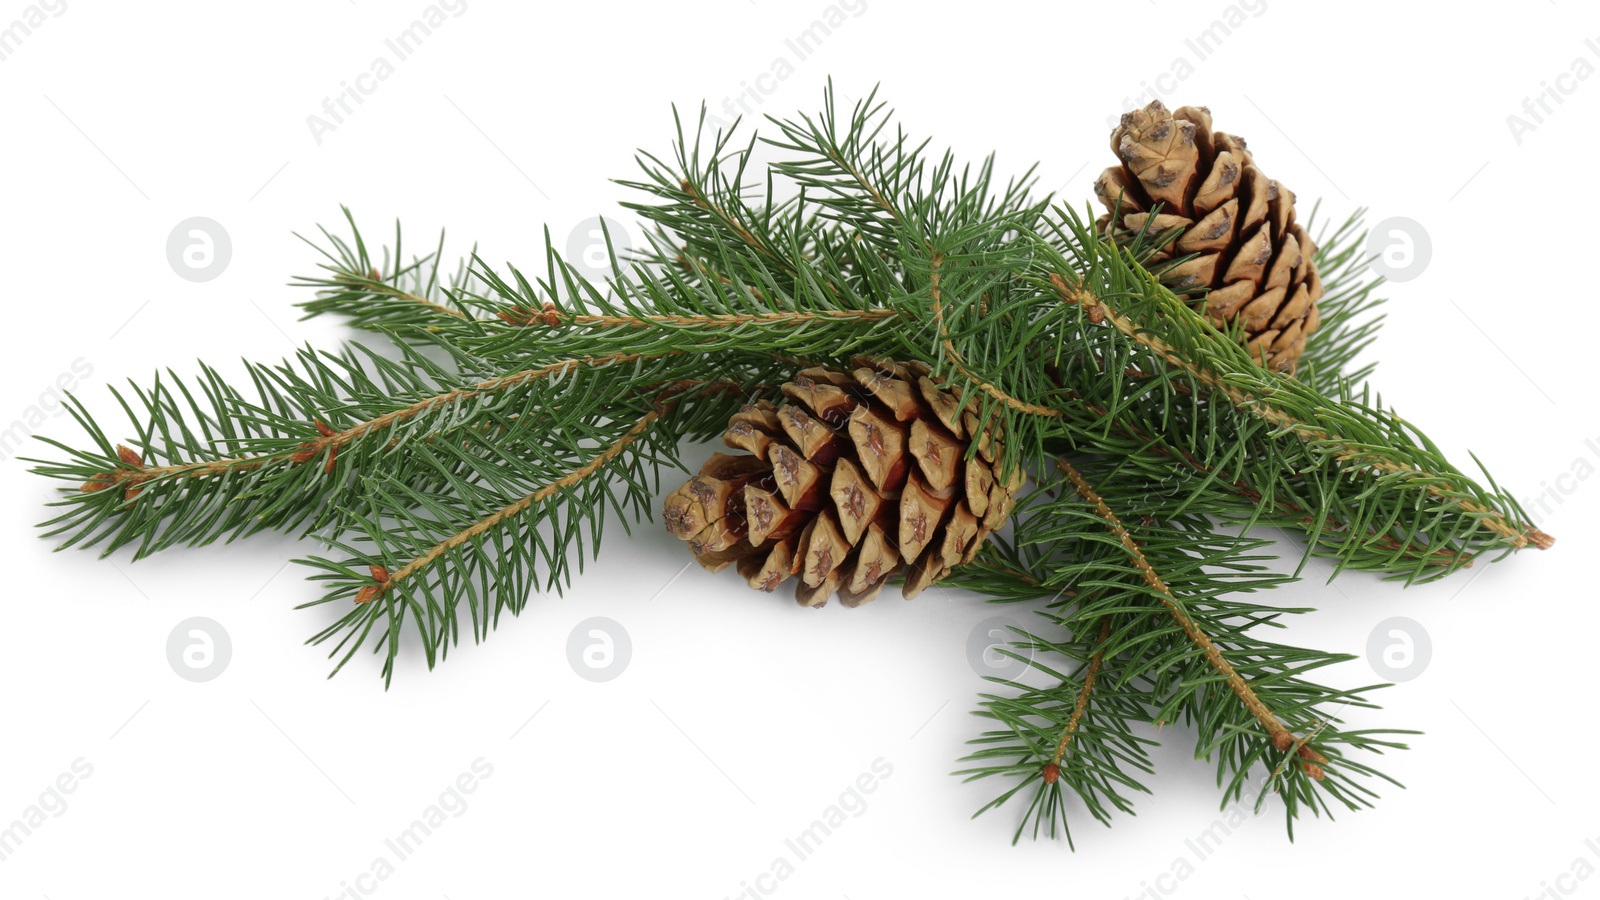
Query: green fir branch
[(476, 462)]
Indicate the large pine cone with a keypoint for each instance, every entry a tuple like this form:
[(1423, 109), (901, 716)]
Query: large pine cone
[(1251, 259), (856, 477)]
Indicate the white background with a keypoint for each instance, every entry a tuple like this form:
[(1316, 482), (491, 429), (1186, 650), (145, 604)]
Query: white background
[(741, 717)]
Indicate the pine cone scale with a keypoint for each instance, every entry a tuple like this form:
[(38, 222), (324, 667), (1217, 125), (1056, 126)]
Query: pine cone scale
[(854, 478)]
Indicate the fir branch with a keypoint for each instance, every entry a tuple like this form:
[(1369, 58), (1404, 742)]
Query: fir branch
[(432, 559), (329, 441), (1257, 403), (1074, 734), (1282, 738), (386, 293), (234, 467), (375, 283), (1154, 663), (1276, 508), (382, 584)]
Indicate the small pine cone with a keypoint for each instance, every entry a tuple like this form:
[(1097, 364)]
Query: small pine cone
[(854, 478), (1246, 254)]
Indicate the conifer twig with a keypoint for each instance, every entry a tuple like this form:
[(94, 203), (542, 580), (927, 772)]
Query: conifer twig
[(1090, 675), (388, 580), (375, 283), (1442, 555), (330, 441), (960, 364), (1282, 738), (735, 320), (1098, 310)]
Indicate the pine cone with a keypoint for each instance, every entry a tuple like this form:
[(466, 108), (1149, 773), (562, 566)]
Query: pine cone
[(1250, 258), (855, 478)]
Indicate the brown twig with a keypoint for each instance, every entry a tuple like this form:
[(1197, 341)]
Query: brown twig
[(1053, 769), (730, 320)]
